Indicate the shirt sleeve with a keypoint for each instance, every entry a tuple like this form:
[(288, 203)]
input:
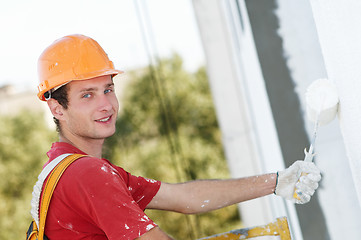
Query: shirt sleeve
[(142, 189), (112, 199)]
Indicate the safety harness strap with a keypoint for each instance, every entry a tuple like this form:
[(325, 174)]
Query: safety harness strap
[(49, 189)]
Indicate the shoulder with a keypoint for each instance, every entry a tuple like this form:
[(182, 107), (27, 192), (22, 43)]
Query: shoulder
[(90, 177), (90, 169), (88, 163)]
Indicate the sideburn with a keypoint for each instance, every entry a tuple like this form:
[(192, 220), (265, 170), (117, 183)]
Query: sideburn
[(60, 95)]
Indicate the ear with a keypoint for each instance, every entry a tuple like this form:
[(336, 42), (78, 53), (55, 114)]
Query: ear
[(56, 109)]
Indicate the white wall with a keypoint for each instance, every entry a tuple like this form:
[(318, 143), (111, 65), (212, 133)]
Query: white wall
[(230, 106), (332, 49), (243, 111), (335, 23)]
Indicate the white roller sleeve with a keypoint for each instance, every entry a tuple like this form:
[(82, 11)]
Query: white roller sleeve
[(322, 101)]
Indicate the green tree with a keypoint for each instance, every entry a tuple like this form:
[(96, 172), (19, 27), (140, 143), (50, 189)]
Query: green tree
[(168, 131), (24, 141)]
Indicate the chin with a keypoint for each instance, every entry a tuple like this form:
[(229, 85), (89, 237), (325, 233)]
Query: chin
[(109, 134)]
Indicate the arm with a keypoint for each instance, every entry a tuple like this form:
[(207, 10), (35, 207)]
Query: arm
[(207, 195)]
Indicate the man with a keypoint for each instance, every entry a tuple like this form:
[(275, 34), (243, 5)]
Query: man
[(95, 199)]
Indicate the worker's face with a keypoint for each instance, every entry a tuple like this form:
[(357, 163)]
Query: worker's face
[(92, 108)]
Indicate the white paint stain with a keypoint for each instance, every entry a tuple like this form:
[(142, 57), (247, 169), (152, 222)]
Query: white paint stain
[(126, 226), (150, 226), (150, 180), (140, 199), (69, 226), (206, 202), (144, 218), (104, 168), (108, 169)]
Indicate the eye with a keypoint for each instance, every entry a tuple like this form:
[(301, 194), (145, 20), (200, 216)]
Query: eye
[(108, 91), (86, 95)]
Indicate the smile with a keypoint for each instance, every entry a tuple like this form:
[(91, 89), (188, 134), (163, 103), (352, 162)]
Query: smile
[(104, 119)]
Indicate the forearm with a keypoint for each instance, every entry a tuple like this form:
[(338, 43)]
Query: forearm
[(207, 195)]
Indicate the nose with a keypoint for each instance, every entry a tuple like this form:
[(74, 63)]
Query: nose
[(105, 104)]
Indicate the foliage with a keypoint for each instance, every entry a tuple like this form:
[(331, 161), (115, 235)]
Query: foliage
[(168, 131), (23, 144)]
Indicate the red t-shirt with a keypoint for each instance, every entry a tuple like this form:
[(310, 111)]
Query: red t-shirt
[(95, 199)]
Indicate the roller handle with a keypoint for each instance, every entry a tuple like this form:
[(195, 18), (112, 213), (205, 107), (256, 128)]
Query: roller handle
[(308, 158)]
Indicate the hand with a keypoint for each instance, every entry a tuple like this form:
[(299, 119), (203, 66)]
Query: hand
[(290, 180)]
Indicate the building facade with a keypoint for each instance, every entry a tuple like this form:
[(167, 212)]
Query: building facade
[(261, 57)]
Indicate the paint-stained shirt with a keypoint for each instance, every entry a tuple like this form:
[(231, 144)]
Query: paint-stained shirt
[(97, 200)]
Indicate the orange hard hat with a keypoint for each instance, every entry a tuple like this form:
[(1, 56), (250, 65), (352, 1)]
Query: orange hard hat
[(71, 58)]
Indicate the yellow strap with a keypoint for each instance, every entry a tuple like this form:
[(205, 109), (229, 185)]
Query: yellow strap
[(50, 185), (32, 233)]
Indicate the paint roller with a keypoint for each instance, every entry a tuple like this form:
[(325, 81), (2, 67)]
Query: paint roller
[(322, 106)]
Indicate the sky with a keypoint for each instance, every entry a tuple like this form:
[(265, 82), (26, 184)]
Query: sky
[(29, 26)]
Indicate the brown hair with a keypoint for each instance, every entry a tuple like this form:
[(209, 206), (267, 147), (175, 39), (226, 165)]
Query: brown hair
[(60, 95)]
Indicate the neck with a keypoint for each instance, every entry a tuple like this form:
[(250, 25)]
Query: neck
[(92, 147)]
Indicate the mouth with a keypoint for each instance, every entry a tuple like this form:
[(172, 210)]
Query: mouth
[(104, 120)]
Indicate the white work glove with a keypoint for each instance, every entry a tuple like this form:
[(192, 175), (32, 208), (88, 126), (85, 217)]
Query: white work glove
[(301, 177)]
